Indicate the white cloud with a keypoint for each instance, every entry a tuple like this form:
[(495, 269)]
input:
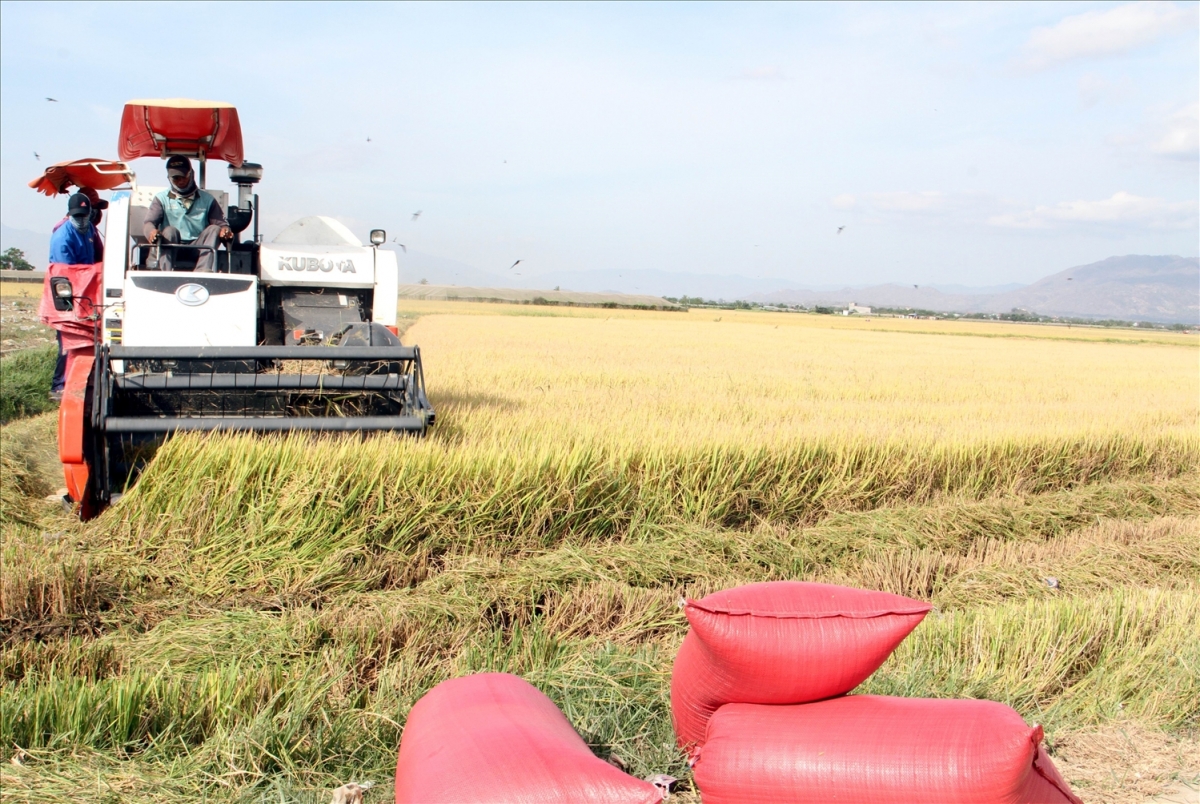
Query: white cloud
[(1095, 34), (926, 203), (1122, 209), (1182, 138), (1094, 89), (764, 73), (843, 201)]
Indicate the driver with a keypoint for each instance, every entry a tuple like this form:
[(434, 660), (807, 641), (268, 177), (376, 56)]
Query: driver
[(191, 217)]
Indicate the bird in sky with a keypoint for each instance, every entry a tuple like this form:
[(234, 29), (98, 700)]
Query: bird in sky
[(37, 156), (52, 100), (403, 247), (416, 214), (916, 286), (514, 265), (1069, 278), (840, 228), (368, 139)]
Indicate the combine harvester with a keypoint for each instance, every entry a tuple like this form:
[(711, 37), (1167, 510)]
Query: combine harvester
[(298, 334)]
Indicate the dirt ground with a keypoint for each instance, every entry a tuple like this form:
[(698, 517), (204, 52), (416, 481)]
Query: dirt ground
[(19, 325), (1127, 763)]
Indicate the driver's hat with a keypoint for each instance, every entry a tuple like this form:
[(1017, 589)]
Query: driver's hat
[(178, 166)]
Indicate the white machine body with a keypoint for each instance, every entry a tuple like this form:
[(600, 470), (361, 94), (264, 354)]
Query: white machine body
[(169, 308), (185, 308)]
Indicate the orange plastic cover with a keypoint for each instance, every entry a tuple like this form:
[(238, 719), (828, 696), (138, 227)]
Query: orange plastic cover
[(180, 125), (98, 174)]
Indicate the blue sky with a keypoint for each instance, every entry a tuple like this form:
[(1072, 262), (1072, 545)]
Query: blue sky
[(970, 144)]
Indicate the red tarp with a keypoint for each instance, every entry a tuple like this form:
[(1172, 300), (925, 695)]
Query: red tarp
[(85, 283), (180, 125), (96, 174)]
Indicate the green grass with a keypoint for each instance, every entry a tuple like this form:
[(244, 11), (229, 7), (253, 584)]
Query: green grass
[(25, 382)]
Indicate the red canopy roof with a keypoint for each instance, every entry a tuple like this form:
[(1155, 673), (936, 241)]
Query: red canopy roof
[(181, 126), (98, 174)]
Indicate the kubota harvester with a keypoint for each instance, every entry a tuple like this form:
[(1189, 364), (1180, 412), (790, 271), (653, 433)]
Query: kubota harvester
[(298, 334)]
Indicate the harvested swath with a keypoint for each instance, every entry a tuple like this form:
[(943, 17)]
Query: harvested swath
[(1058, 661), (297, 513), (953, 553)]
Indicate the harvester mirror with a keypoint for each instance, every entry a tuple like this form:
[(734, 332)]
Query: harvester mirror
[(60, 289), (378, 237)]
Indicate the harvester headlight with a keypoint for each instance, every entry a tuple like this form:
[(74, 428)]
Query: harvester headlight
[(60, 289), (378, 237), (246, 173)]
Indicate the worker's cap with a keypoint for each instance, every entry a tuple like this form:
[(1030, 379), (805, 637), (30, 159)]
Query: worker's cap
[(79, 204), (94, 197), (178, 166)]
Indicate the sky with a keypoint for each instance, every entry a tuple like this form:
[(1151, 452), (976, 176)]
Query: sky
[(975, 144)]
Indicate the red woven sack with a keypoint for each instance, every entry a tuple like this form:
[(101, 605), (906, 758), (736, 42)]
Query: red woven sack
[(495, 738), (784, 642), (872, 748)]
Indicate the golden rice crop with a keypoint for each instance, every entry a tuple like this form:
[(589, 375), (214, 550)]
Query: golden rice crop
[(723, 377), (254, 620)]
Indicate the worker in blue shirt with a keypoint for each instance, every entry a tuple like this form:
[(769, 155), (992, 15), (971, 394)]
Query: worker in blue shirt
[(72, 243)]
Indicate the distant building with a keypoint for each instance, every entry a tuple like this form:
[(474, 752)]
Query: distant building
[(856, 309)]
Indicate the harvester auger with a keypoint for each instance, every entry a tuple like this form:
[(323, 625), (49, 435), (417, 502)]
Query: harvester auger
[(298, 334)]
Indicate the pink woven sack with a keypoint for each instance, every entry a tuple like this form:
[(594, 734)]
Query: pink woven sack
[(872, 748), (491, 738), (784, 642)]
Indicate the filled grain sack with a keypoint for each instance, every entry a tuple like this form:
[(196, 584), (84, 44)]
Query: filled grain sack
[(493, 738), (784, 642), (872, 748)]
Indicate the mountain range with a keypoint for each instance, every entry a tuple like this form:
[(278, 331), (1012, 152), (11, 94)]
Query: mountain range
[(1163, 289)]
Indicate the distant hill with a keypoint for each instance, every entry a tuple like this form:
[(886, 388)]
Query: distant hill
[(1134, 287), (549, 297), (36, 245), (1163, 289)]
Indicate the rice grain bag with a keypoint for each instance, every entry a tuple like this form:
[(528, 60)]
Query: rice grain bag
[(493, 738), (871, 748), (782, 642)]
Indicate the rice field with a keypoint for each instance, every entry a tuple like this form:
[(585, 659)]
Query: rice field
[(253, 621)]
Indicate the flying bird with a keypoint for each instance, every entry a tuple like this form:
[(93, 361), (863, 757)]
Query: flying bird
[(916, 286), (37, 156), (416, 214), (52, 100), (401, 245), (840, 228), (1069, 278), (514, 265), (368, 139)]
